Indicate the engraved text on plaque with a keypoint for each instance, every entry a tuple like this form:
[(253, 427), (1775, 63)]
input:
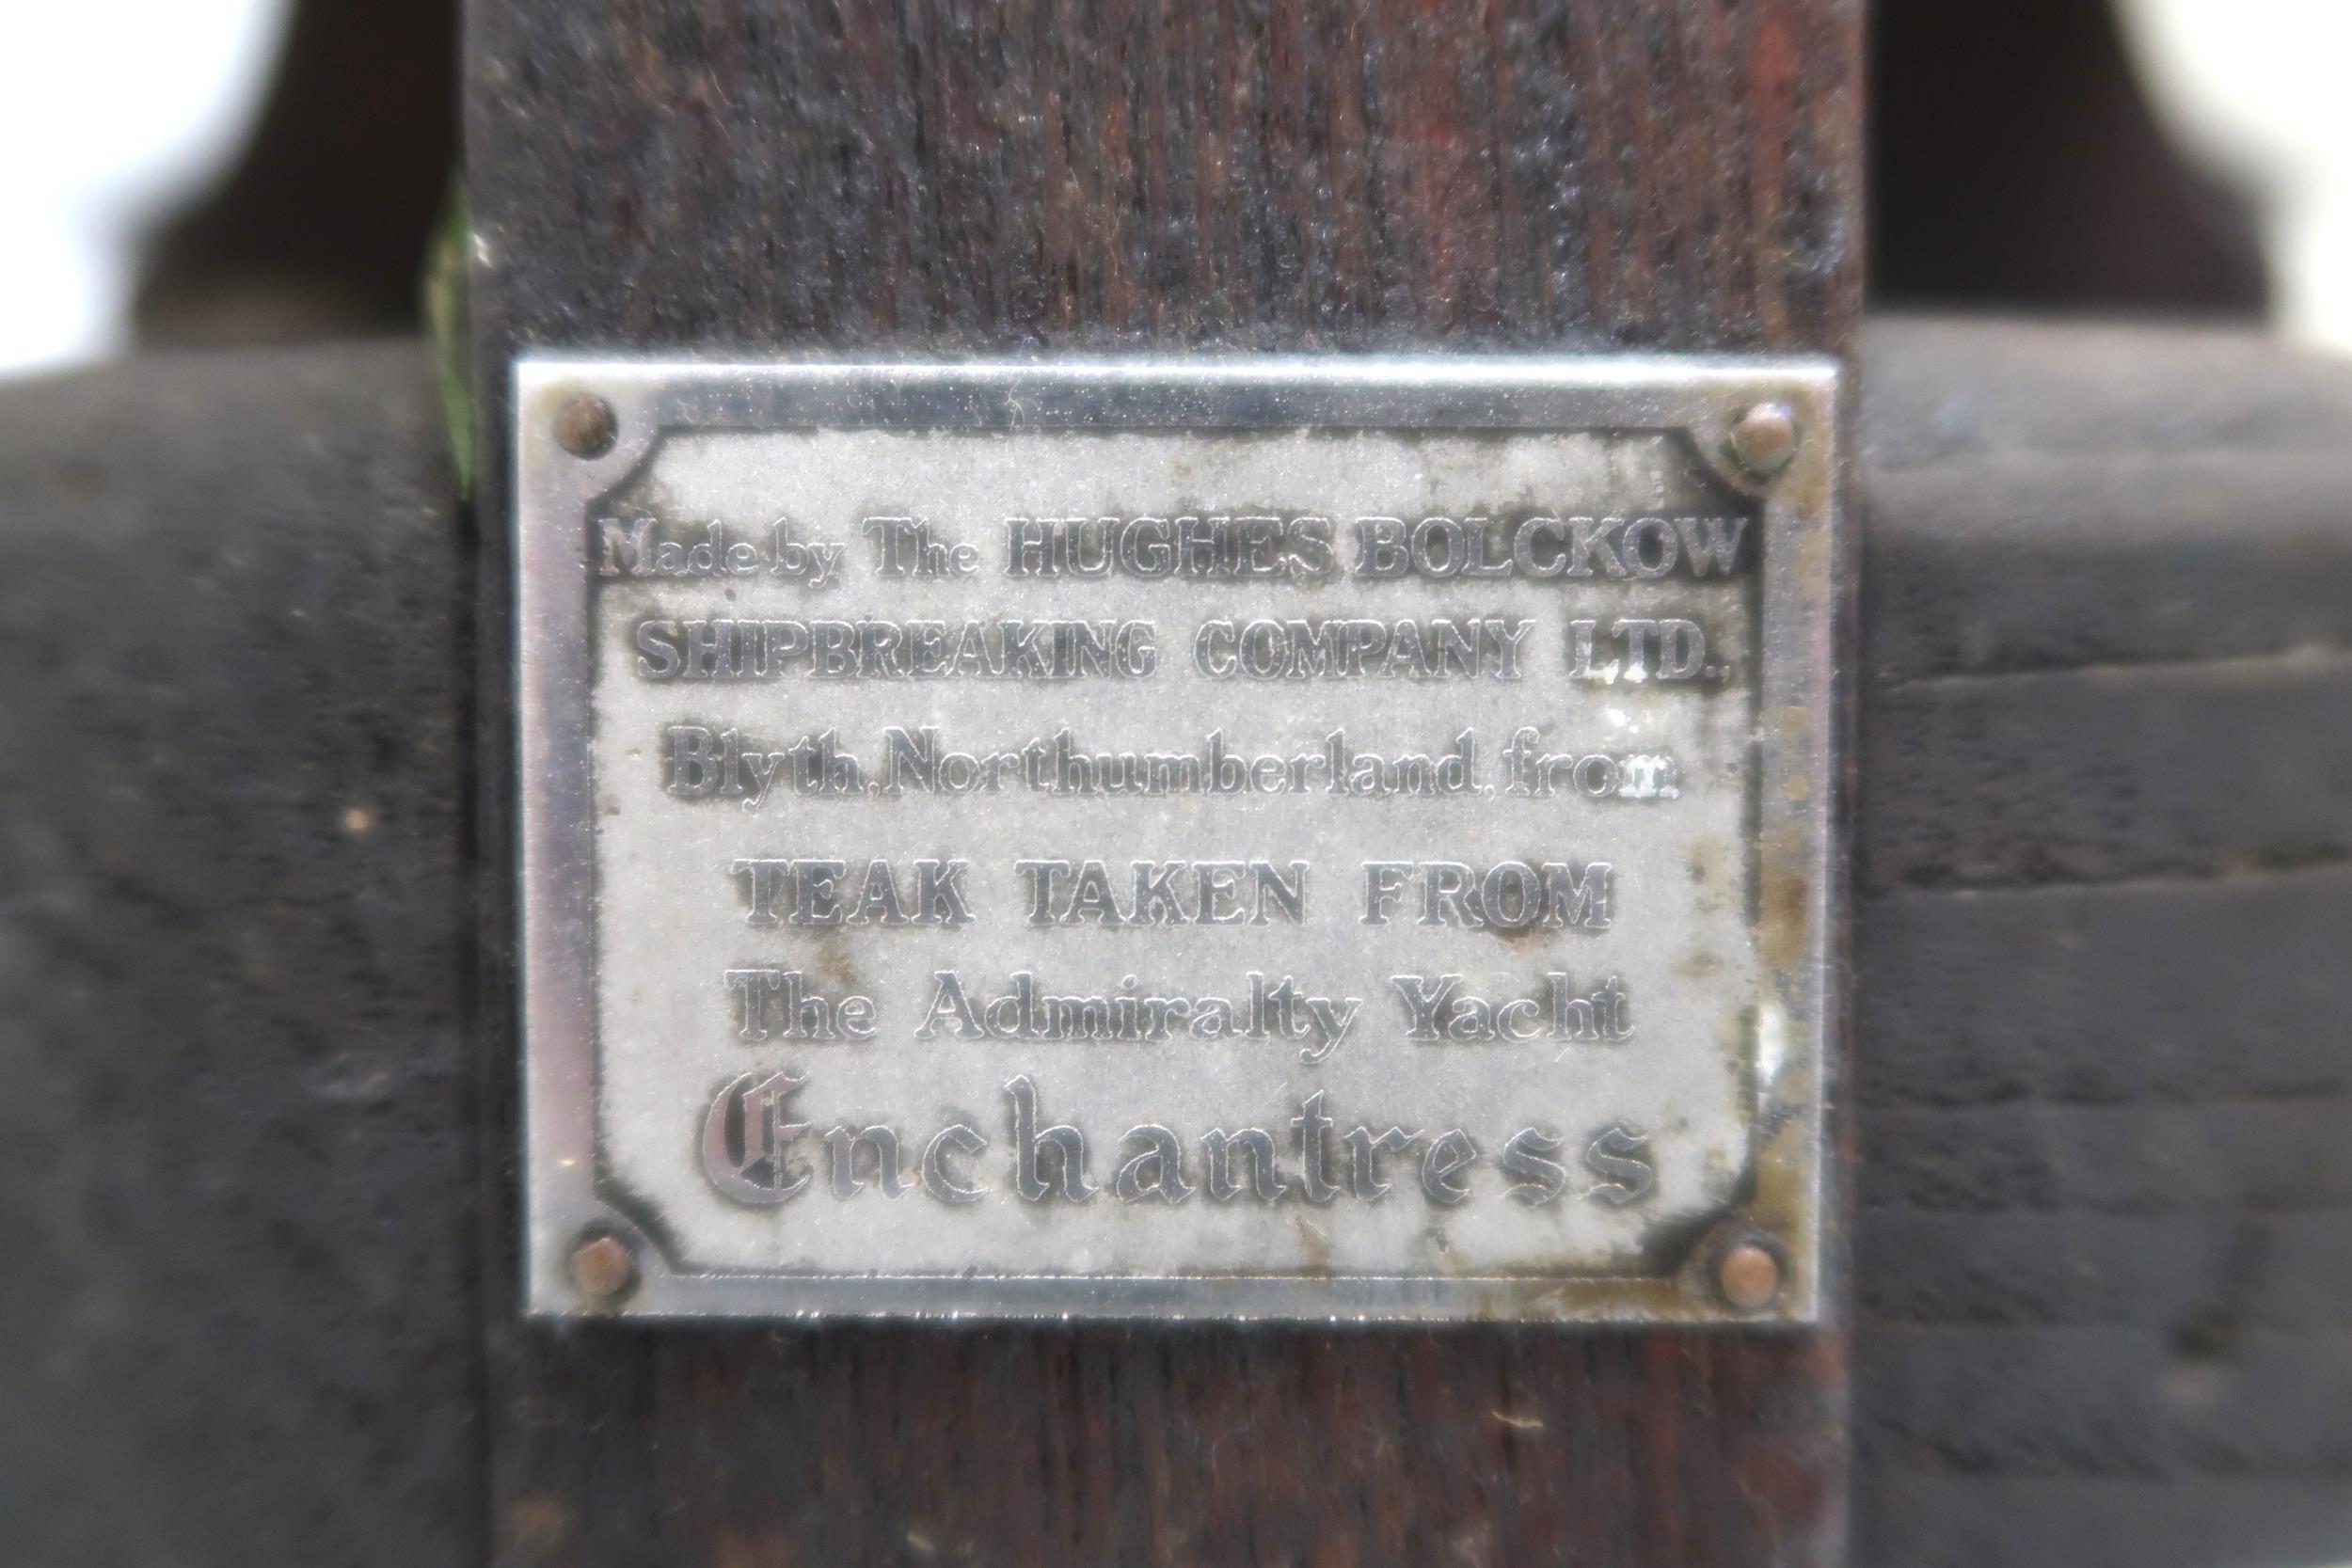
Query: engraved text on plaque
[(1287, 839)]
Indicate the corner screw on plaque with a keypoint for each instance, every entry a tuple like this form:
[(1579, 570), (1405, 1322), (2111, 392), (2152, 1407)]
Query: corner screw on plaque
[(1748, 1275), (1765, 438), (584, 426), (603, 1267)]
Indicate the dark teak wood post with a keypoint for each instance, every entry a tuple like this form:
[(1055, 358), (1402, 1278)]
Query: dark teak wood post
[(778, 176)]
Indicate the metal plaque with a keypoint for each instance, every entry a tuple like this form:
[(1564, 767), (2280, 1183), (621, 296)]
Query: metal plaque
[(1229, 838)]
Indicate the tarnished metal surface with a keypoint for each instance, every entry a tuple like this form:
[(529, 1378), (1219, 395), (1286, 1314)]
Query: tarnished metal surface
[(1275, 838)]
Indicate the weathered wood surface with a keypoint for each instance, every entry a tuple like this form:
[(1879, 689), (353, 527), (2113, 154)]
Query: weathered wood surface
[(1261, 174), (1277, 174), (2103, 868), (236, 1147), (2105, 1213)]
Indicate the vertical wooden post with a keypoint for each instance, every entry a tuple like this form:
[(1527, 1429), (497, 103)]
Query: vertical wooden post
[(798, 176)]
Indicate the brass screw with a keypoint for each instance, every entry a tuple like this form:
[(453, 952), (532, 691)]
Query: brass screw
[(1765, 438), (585, 426), (603, 1267), (1749, 1277)]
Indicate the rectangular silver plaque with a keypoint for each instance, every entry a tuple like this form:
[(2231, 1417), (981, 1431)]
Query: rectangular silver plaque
[(1263, 838)]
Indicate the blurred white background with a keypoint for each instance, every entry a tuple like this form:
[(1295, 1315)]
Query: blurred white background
[(2257, 88), (92, 159)]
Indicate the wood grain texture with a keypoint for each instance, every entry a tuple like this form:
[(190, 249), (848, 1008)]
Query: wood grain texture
[(2105, 1221), (2104, 868), (1105, 175), (1276, 174), (236, 1143)]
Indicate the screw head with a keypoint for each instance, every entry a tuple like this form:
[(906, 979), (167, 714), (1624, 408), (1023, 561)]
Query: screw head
[(1765, 438), (1748, 1275), (585, 426), (603, 1267)]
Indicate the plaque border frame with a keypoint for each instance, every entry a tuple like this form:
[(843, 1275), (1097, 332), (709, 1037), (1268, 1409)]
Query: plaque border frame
[(1789, 1187)]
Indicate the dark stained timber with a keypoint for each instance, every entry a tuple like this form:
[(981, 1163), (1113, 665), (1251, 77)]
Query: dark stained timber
[(944, 179), (1103, 174), (2105, 1205)]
